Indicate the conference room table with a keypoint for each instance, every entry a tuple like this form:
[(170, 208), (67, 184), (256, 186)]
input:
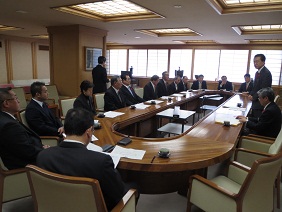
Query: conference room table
[(205, 144)]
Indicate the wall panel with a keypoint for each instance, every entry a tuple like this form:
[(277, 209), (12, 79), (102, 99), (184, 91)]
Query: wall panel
[(3, 68)]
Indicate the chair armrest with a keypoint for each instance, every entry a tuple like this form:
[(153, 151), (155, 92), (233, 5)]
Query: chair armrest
[(50, 101), (247, 157), (13, 171), (238, 172), (255, 143), (211, 185), (50, 140), (127, 203), (260, 136)]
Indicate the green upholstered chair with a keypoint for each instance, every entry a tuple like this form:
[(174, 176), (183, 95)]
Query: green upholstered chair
[(99, 101), (19, 91), (243, 189), (56, 193), (65, 105)]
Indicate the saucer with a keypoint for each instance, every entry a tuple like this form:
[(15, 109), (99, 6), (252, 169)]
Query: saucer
[(163, 156)]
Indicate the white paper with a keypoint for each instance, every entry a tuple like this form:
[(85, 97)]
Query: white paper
[(166, 97), (94, 147), (112, 114), (177, 94), (93, 138), (115, 158), (141, 106), (156, 101), (220, 118), (232, 107), (128, 153)]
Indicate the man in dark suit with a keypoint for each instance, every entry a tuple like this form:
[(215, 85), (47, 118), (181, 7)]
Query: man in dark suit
[(173, 87), (162, 89), (183, 86), (99, 75), (128, 91), (72, 158), (247, 86), (269, 123), (113, 98), (199, 83), (85, 99), (263, 79), (38, 116), (224, 84), (150, 89), (19, 145)]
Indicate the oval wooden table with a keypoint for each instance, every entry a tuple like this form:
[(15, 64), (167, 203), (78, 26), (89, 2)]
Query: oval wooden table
[(206, 143)]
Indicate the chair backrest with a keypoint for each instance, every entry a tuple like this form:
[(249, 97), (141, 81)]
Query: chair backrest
[(55, 192), (277, 144), (21, 96), (139, 91), (257, 189), (99, 101), (276, 99), (53, 93), (22, 118), (65, 105)]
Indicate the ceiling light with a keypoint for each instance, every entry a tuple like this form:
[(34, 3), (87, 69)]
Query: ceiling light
[(6, 28), (258, 29), (169, 32)]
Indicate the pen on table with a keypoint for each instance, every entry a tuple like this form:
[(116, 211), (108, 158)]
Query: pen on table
[(153, 159)]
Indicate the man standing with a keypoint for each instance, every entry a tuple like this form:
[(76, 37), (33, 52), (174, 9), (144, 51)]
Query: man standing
[(199, 83), (38, 116), (113, 98), (162, 89), (19, 145), (99, 75), (269, 123), (150, 89), (263, 79), (128, 91), (72, 158), (173, 87), (247, 86)]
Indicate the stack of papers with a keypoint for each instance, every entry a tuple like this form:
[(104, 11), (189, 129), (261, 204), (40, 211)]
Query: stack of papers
[(112, 114), (129, 153), (156, 101), (141, 106)]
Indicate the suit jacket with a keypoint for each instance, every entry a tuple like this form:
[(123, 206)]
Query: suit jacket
[(149, 92), (112, 101), (264, 80), (195, 85), (41, 122), (243, 87), (135, 99), (228, 86), (182, 86), (162, 89), (269, 123), (85, 102), (19, 145), (99, 76), (74, 159), (172, 89)]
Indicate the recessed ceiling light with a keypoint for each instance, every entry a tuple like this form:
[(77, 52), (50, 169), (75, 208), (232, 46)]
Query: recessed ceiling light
[(21, 11), (169, 32), (137, 37), (177, 6), (6, 28)]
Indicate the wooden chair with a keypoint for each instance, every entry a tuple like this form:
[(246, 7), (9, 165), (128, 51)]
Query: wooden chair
[(46, 140), (99, 101), (243, 189), (276, 99), (65, 105), (56, 193), (13, 184), (53, 93), (19, 91)]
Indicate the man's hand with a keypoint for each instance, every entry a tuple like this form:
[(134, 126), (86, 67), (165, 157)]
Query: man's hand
[(45, 146), (242, 119), (250, 97), (61, 130)]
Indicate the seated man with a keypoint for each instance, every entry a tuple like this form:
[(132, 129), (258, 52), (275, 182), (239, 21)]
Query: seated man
[(183, 86), (224, 84), (150, 89), (162, 86), (128, 91), (38, 116), (72, 158), (85, 99), (19, 145), (269, 123), (114, 99), (199, 83), (173, 87), (247, 86)]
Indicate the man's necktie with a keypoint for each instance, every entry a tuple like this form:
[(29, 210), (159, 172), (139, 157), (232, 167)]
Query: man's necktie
[(118, 93), (131, 91)]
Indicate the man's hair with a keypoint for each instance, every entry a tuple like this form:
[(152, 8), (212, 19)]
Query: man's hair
[(77, 121), (85, 84), (4, 94), (114, 79), (123, 76), (261, 56), (224, 77), (36, 87), (184, 77), (154, 78), (164, 73), (177, 77), (247, 75), (267, 92), (101, 59), (200, 75)]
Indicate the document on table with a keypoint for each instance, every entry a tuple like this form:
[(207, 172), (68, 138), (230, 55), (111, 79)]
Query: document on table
[(94, 147), (93, 138), (220, 118), (141, 106), (128, 153), (177, 94), (232, 107), (156, 101), (115, 158), (166, 97), (112, 114)]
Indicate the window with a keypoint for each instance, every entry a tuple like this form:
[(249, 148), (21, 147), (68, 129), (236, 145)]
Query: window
[(138, 60), (180, 58), (207, 63), (157, 62), (117, 61), (233, 64), (273, 63)]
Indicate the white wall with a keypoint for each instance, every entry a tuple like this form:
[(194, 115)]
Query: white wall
[(3, 69)]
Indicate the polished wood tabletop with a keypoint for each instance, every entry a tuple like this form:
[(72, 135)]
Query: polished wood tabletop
[(204, 144)]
